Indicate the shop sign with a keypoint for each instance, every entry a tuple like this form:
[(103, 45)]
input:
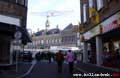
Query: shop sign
[(109, 24), (93, 32), (10, 20)]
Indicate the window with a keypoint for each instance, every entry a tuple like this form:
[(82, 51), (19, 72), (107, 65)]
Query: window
[(19, 1), (90, 3), (59, 40), (99, 4), (52, 41), (42, 42), (108, 0), (26, 3), (84, 12), (56, 40), (22, 2)]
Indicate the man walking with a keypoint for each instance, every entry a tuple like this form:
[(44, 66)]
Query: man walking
[(70, 59), (59, 59)]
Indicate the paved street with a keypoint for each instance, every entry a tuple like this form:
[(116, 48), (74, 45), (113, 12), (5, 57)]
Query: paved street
[(44, 69), (48, 70), (10, 72)]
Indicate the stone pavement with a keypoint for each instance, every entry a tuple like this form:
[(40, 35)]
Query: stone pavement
[(10, 71), (49, 70), (90, 68)]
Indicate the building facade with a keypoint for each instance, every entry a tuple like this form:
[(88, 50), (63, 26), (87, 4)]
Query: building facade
[(55, 38), (69, 36), (100, 24), (13, 16), (45, 40)]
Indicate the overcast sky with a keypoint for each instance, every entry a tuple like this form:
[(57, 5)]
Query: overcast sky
[(37, 9)]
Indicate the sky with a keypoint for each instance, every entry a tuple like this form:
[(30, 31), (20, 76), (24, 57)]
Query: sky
[(69, 12)]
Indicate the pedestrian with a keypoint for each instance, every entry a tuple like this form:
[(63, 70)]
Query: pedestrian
[(59, 59), (49, 56), (70, 60)]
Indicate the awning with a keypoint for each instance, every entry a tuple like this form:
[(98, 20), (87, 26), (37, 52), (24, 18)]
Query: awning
[(8, 29)]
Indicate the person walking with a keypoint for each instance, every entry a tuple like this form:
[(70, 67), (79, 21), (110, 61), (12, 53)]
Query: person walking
[(59, 59), (49, 56), (70, 60)]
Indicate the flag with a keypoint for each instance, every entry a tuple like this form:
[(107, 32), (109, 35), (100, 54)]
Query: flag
[(94, 15)]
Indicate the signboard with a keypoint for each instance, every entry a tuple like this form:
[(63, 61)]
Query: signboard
[(93, 32), (109, 24), (10, 20), (18, 35)]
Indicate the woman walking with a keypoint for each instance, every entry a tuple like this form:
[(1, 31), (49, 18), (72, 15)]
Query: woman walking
[(70, 59)]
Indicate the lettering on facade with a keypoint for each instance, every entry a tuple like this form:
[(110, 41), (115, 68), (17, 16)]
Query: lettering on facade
[(93, 32), (110, 26)]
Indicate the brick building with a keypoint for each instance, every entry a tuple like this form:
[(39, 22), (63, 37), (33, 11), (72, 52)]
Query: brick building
[(100, 25), (13, 16), (69, 36)]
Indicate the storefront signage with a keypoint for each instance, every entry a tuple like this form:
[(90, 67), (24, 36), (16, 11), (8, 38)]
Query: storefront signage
[(110, 26), (110, 23), (10, 20), (93, 32)]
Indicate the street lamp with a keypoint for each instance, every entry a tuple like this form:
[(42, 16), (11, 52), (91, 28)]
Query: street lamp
[(17, 36), (31, 34)]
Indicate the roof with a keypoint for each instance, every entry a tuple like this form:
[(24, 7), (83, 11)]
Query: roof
[(51, 31), (54, 31), (69, 27)]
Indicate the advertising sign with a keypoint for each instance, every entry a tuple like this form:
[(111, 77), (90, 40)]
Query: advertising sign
[(93, 32), (110, 23)]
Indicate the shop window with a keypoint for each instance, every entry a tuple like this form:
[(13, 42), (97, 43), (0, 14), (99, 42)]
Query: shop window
[(99, 4), (26, 2)]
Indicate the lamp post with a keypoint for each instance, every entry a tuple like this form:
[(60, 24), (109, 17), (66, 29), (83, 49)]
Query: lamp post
[(17, 36), (31, 33)]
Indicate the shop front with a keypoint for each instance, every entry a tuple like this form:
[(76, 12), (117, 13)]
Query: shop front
[(111, 40), (104, 40), (7, 32)]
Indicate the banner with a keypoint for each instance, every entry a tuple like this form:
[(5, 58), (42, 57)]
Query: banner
[(94, 15)]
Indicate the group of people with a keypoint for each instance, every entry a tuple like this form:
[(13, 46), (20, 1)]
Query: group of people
[(69, 58), (60, 57), (111, 59)]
